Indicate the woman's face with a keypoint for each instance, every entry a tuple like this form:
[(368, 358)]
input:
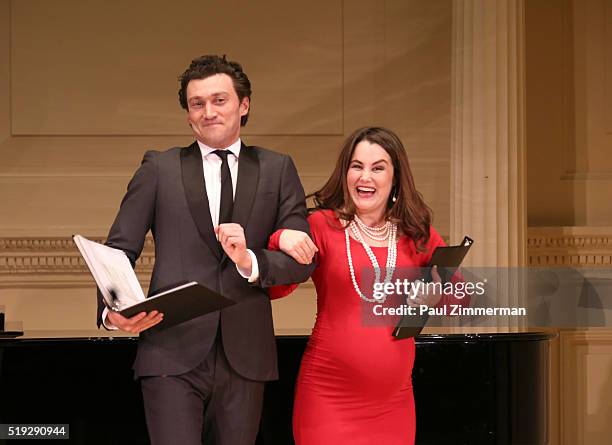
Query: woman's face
[(370, 179)]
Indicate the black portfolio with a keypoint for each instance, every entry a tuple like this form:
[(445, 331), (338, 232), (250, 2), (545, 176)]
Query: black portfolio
[(447, 259)]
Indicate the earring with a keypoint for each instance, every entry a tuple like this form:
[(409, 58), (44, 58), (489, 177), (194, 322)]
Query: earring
[(394, 198)]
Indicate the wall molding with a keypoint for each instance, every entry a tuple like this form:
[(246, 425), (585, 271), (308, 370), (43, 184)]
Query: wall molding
[(46, 261), (43, 261), (54, 261), (587, 176), (569, 246)]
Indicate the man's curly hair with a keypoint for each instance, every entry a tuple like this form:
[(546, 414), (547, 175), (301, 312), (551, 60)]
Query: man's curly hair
[(206, 66)]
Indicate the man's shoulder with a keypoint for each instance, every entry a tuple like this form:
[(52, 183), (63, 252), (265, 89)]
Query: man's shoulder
[(265, 154), (166, 153), (172, 151)]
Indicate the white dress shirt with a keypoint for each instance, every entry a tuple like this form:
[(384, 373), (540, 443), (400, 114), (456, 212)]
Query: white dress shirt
[(212, 177)]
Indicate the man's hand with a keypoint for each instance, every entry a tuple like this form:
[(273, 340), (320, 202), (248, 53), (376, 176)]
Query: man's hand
[(233, 242), (135, 324), (297, 245), (426, 298)]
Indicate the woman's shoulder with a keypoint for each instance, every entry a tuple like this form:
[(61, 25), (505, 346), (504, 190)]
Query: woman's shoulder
[(422, 249), (435, 239), (323, 216), (324, 224)]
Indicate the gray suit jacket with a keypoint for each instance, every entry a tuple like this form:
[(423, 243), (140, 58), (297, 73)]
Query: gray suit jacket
[(167, 195)]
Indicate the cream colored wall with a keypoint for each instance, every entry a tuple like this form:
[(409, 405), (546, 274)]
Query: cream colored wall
[(569, 110), (87, 88), (569, 141), (550, 134), (590, 166)]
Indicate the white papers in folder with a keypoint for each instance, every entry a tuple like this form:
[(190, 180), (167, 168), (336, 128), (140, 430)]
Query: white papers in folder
[(113, 273)]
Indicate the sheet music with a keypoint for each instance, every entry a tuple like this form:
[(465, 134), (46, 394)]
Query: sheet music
[(112, 270)]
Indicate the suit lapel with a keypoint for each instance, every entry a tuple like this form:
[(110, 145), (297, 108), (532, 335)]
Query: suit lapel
[(246, 186), (195, 190)]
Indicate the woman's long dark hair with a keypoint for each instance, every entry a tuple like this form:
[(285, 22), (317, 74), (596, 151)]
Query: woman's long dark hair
[(409, 210)]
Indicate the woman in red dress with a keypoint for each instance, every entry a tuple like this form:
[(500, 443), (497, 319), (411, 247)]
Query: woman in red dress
[(355, 381)]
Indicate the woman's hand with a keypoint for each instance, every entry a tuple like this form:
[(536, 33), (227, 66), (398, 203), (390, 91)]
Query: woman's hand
[(297, 245), (427, 298)]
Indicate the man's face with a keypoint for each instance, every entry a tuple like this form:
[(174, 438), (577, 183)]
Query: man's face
[(215, 111)]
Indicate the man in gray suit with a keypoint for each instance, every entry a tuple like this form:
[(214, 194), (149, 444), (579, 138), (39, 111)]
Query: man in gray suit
[(211, 207)]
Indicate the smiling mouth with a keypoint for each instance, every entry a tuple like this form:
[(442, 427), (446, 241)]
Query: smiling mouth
[(365, 192)]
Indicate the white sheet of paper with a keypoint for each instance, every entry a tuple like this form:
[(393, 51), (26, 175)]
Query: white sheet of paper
[(111, 269)]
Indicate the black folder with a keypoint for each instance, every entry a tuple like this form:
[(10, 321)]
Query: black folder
[(121, 292), (179, 304), (447, 259)]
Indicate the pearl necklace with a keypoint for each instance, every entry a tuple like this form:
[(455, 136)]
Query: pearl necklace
[(380, 233), (391, 259)]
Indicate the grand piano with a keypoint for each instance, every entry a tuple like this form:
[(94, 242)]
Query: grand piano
[(469, 388)]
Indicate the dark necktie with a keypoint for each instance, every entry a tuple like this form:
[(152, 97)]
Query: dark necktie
[(227, 192)]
